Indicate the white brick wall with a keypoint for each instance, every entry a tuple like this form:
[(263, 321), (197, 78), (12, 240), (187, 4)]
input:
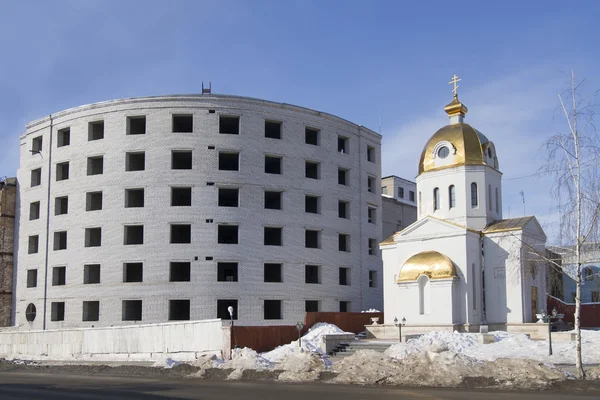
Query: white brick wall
[(157, 178)]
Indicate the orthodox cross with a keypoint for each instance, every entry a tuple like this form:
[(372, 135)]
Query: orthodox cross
[(454, 81)]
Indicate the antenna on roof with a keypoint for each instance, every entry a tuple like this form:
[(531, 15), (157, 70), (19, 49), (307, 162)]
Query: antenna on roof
[(208, 89)]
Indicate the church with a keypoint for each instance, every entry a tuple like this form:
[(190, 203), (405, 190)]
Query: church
[(461, 266)]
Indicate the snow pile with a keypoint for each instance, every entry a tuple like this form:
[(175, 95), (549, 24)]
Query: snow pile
[(371, 310), (300, 367), (436, 342)]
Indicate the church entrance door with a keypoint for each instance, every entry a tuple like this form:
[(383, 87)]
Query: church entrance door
[(534, 302)]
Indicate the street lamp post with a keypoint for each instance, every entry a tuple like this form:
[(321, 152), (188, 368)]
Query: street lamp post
[(299, 326), (549, 317), (399, 325)]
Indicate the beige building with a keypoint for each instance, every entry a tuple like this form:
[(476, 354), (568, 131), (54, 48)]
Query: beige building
[(399, 208), (8, 193)]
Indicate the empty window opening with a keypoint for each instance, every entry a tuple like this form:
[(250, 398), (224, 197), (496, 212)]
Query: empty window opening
[(344, 242), (311, 136), (272, 309), (61, 205), (57, 311), (370, 184), (490, 197), (133, 234), (273, 200), (64, 137), (273, 272), (343, 209), (33, 244), (91, 274), (229, 125), (344, 306), (272, 165), (312, 170), (311, 306), (181, 233), (180, 271), (273, 129), (411, 196), (60, 240), (497, 202), (36, 177), (312, 274), (228, 197), (181, 159), (96, 130), (62, 171), (229, 161), (401, 192), (344, 276), (95, 165), (312, 204), (91, 311), (228, 234), (372, 215), (133, 272), (132, 310), (179, 310), (474, 197), (312, 239), (222, 309), (451, 196), (136, 125), (227, 272), (135, 161), (372, 247), (134, 198), (370, 154), (183, 123), (343, 144), (34, 210), (93, 237), (343, 177), (273, 236), (181, 196), (93, 201), (32, 278), (59, 276), (372, 278)]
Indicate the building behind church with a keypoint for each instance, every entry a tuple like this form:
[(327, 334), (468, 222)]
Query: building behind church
[(8, 199)]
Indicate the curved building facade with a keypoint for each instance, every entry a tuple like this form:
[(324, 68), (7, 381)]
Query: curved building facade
[(177, 207)]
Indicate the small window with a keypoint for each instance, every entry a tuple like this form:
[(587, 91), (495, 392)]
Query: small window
[(273, 236), (312, 170), (181, 233), (370, 154), (273, 272), (229, 125), (60, 240), (62, 171), (32, 278), (227, 272), (134, 198), (311, 136), (133, 234), (91, 274), (183, 123), (135, 161), (371, 184), (273, 200), (30, 312), (452, 196), (228, 234), (401, 192), (91, 311), (64, 137), (436, 199), (93, 201), (133, 272), (59, 276), (136, 125), (180, 271), (222, 309), (312, 274), (490, 197), (372, 215), (474, 196), (229, 161), (411, 196), (343, 177), (595, 296), (273, 165), (588, 274), (57, 311), (443, 152), (312, 239), (179, 310), (497, 201), (228, 197), (181, 159), (312, 204), (343, 144), (93, 237), (61, 205), (273, 129), (36, 177), (272, 309), (344, 306), (132, 310), (34, 210), (96, 130), (384, 190), (344, 276), (372, 279), (95, 165), (372, 247), (343, 242), (311, 306), (343, 209), (181, 196), (33, 244)]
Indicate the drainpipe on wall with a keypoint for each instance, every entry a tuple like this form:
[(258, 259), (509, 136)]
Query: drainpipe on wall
[(48, 222)]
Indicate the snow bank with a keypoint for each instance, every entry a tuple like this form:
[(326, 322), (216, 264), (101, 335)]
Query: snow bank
[(371, 310), (300, 367)]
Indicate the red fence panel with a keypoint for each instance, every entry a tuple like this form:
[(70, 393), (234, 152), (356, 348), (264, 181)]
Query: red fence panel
[(590, 312)]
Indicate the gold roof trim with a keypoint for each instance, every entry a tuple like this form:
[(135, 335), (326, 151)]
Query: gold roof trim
[(455, 107), (505, 225), (431, 263)]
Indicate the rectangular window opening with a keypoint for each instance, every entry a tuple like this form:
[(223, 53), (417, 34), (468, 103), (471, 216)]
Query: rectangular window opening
[(183, 123), (372, 215), (343, 177), (311, 306), (372, 247), (229, 161), (61, 205), (273, 236), (181, 159), (312, 239), (134, 198), (371, 184), (273, 165), (344, 306), (93, 201), (344, 276), (228, 234), (312, 274), (36, 145), (273, 129), (135, 161), (64, 137), (179, 310), (95, 165), (34, 210), (344, 242), (311, 136), (136, 125), (273, 272), (228, 197), (133, 272), (59, 276), (91, 274), (91, 311), (343, 209), (33, 244), (57, 312), (132, 310), (62, 171), (93, 237), (181, 233), (312, 170), (223, 312), (32, 278), (373, 279), (272, 309), (36, 177), (229, 125), (181, 196), (133, 234), (60, 240), (312, 204), (343, 144), (370, 154), (227, 272), (273, 200), (96, 130), (180, 271)]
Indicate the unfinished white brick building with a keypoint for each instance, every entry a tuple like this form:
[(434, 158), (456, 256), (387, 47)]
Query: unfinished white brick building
[(176, 207)]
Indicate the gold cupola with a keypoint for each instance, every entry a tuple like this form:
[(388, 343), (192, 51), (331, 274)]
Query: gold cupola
[(433, 264)]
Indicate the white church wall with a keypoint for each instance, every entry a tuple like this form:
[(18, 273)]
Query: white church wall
[(438, 298), (470, 287)]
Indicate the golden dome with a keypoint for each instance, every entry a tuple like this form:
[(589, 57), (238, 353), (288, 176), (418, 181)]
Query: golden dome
[(431, 263)]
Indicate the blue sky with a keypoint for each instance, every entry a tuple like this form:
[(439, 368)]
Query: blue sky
[(386, 61)]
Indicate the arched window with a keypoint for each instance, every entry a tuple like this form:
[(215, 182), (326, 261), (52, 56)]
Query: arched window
[(588, 273), (451, 196), (420, 205), (490, 197), (474, 199), (497, 202), (424, 294), (436, 199)]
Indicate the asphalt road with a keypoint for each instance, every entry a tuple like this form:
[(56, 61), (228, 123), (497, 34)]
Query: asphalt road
[(19, 385)]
